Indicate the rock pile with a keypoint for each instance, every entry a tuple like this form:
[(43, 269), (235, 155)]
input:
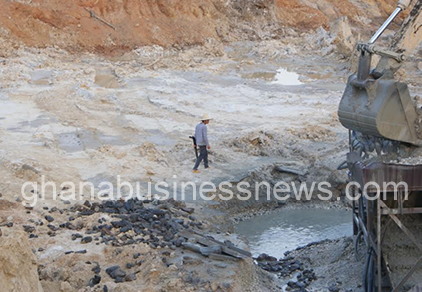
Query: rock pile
[(159, 224), (286, 267), (156, 225)]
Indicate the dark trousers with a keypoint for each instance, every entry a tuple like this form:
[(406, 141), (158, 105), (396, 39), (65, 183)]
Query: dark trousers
[(203, 155)]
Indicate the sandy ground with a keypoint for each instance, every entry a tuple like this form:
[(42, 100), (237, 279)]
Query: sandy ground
[(58, 121)]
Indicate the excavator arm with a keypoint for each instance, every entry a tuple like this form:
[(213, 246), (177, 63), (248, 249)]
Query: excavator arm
[(373, 103), (405, 41)]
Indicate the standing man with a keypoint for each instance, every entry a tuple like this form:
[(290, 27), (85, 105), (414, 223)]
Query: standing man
[(202, 141)]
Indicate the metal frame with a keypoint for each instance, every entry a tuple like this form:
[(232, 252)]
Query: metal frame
[(370, 212), (383, 209)]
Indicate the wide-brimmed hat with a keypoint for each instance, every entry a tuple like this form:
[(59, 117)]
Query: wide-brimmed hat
[(205, 117)]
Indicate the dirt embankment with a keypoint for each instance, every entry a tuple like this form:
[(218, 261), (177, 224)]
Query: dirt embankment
[(69, 24), (18, 271)]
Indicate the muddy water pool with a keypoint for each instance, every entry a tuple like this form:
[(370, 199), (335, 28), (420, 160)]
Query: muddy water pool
[(284, 230)]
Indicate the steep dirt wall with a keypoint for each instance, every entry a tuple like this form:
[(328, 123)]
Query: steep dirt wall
[(69, 25), (18, 269), (311, 14)]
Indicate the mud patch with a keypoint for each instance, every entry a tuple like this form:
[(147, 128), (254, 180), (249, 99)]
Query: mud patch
[(80, 141)]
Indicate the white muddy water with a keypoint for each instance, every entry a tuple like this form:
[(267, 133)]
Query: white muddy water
[(284, 77), (284, 230)]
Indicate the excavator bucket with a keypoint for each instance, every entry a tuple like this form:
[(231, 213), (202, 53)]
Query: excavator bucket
[(381, 108)]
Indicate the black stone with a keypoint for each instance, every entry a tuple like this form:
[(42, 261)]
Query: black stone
[(76, 235), (115, 272), (52, 227), (94, 281), (120, 224), (86, 239), (28, 228), (265, 258), (126, 228), (96, 269), (87, 204), (130, 265)]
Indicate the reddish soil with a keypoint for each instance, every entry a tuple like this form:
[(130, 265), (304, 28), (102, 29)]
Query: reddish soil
[(68, 24)]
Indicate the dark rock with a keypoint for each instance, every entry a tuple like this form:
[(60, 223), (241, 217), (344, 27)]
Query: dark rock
[(130, 277), (130, 265), (180, 221), (96, 269), (49, 218), (126, 228), (136, 255), (179, 242), (129, 205), (28, 228), (115, 272), (120, 224), (265, 258), (94, 281), (295, 285), (81, 251), (76, 235), (86, 239), (188, 210), (87, 204), (52, 210), (52, 227), (309, 274), (206, 251), (294, 267)]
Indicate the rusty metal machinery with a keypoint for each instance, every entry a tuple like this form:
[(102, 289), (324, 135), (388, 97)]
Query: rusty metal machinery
[(393, 203), (382, 121)]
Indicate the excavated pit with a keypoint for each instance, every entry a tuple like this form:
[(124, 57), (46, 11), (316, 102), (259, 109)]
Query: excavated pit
[(89, 118)]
